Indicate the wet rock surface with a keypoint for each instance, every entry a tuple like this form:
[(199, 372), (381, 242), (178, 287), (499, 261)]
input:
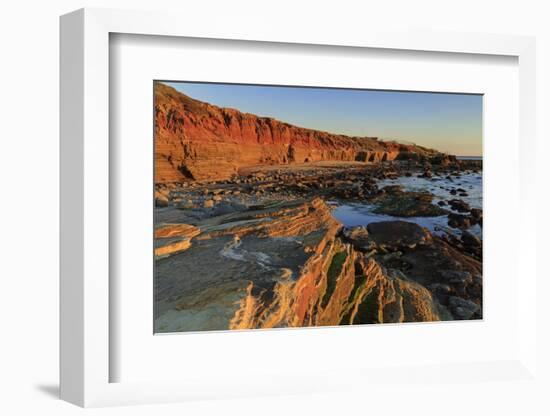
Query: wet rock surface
[(406, 204), (398, 234), (459, 205), (267, 252), (459, 221)]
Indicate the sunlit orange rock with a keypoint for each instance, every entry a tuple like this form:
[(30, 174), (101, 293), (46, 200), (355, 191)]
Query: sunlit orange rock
[(173, 238), (197, 140)]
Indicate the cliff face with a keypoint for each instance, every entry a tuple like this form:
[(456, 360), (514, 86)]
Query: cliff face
[(196, 140)]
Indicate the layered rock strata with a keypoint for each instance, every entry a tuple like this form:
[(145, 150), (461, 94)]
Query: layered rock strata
[(172, 238), (197, 140), (291, 264)]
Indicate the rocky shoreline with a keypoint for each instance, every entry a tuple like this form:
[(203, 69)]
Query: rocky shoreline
[(196, 140), (263, 249)]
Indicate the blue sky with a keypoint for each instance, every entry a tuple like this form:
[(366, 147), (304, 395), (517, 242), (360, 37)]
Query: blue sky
[(447, 122)]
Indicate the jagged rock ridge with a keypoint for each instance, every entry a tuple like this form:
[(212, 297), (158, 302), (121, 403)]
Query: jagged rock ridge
[(197, 140), (288, 264)]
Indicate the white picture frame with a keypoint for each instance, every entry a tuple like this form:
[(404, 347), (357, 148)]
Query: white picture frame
[(86, 356)]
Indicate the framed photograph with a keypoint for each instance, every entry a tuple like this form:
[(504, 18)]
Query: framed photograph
[(261, 224), (238, 208)]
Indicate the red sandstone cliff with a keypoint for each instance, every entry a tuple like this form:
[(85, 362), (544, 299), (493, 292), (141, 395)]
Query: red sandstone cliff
[(197, 140)]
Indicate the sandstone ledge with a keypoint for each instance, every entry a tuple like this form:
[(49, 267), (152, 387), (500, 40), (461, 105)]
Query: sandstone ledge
[(289, 264)]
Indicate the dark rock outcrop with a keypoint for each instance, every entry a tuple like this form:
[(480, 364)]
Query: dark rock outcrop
[(398, 234)]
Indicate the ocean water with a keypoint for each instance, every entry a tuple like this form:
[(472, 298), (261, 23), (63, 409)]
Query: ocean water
[(469, 158), (354, 214), (440, 187)]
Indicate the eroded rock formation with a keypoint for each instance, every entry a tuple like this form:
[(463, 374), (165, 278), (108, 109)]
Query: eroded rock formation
[(172, 238), (197, 140), (290, 264)]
